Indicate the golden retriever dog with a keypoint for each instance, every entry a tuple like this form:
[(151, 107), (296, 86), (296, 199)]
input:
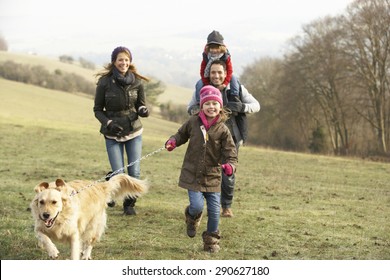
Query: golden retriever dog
[(75, 212)]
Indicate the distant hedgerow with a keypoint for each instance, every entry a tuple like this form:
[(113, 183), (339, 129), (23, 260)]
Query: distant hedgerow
[(40, 76)]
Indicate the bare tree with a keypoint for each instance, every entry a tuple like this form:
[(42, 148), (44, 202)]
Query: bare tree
[(323, 70), (262, 80), (367, 28), (297, 106)]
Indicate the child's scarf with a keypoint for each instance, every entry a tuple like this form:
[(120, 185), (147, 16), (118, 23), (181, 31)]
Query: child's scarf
[(205, 122)]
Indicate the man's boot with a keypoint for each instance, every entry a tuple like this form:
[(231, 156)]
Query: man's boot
[(211, 241), (128, 206), (227, 213), (192, 222)]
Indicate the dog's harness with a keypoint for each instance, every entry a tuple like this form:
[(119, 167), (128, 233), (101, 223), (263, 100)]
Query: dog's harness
[(120, 170)]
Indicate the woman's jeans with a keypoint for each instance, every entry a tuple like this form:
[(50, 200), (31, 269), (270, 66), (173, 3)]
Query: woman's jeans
[(133, 148), (213, 207)]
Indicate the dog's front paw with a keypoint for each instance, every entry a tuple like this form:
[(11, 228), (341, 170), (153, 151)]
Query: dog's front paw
[(53, 253), (87, 258), (86, 254)]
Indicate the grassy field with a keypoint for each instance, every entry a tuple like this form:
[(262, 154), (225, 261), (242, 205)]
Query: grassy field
[(288, 206)]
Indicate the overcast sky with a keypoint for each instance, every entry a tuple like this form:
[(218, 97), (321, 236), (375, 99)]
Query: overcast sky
[(51, 27)]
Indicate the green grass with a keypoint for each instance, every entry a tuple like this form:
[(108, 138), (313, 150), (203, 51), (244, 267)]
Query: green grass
[(287, 205)]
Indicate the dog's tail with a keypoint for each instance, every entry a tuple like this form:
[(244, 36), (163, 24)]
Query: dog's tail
[(123, 185)]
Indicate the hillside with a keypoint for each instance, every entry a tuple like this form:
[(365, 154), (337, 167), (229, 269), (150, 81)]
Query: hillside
[(287, 206), (173, 93), (53, 108), (50, 64)]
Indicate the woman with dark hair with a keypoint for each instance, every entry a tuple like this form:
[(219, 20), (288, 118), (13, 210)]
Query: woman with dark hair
[(119, 102)]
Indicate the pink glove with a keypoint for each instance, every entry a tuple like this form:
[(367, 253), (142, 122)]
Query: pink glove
[(170, 144), (227, 169)]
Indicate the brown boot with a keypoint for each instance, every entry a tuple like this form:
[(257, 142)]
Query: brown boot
[(211, 241), (227, 213), (192, 223)]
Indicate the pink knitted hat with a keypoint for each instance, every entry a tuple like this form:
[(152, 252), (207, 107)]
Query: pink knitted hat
[(210, 93)]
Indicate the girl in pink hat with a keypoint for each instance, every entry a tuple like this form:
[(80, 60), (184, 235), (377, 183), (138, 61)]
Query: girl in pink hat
[(210, 150)]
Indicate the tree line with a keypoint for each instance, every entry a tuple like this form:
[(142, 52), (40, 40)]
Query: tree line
[(330, 91)]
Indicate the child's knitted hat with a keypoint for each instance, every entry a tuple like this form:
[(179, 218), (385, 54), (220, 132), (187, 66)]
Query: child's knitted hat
[(208, 93), (118, 50), (215, 38)]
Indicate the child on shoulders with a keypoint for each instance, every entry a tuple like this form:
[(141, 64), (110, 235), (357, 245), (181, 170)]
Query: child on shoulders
[(216, 49)]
